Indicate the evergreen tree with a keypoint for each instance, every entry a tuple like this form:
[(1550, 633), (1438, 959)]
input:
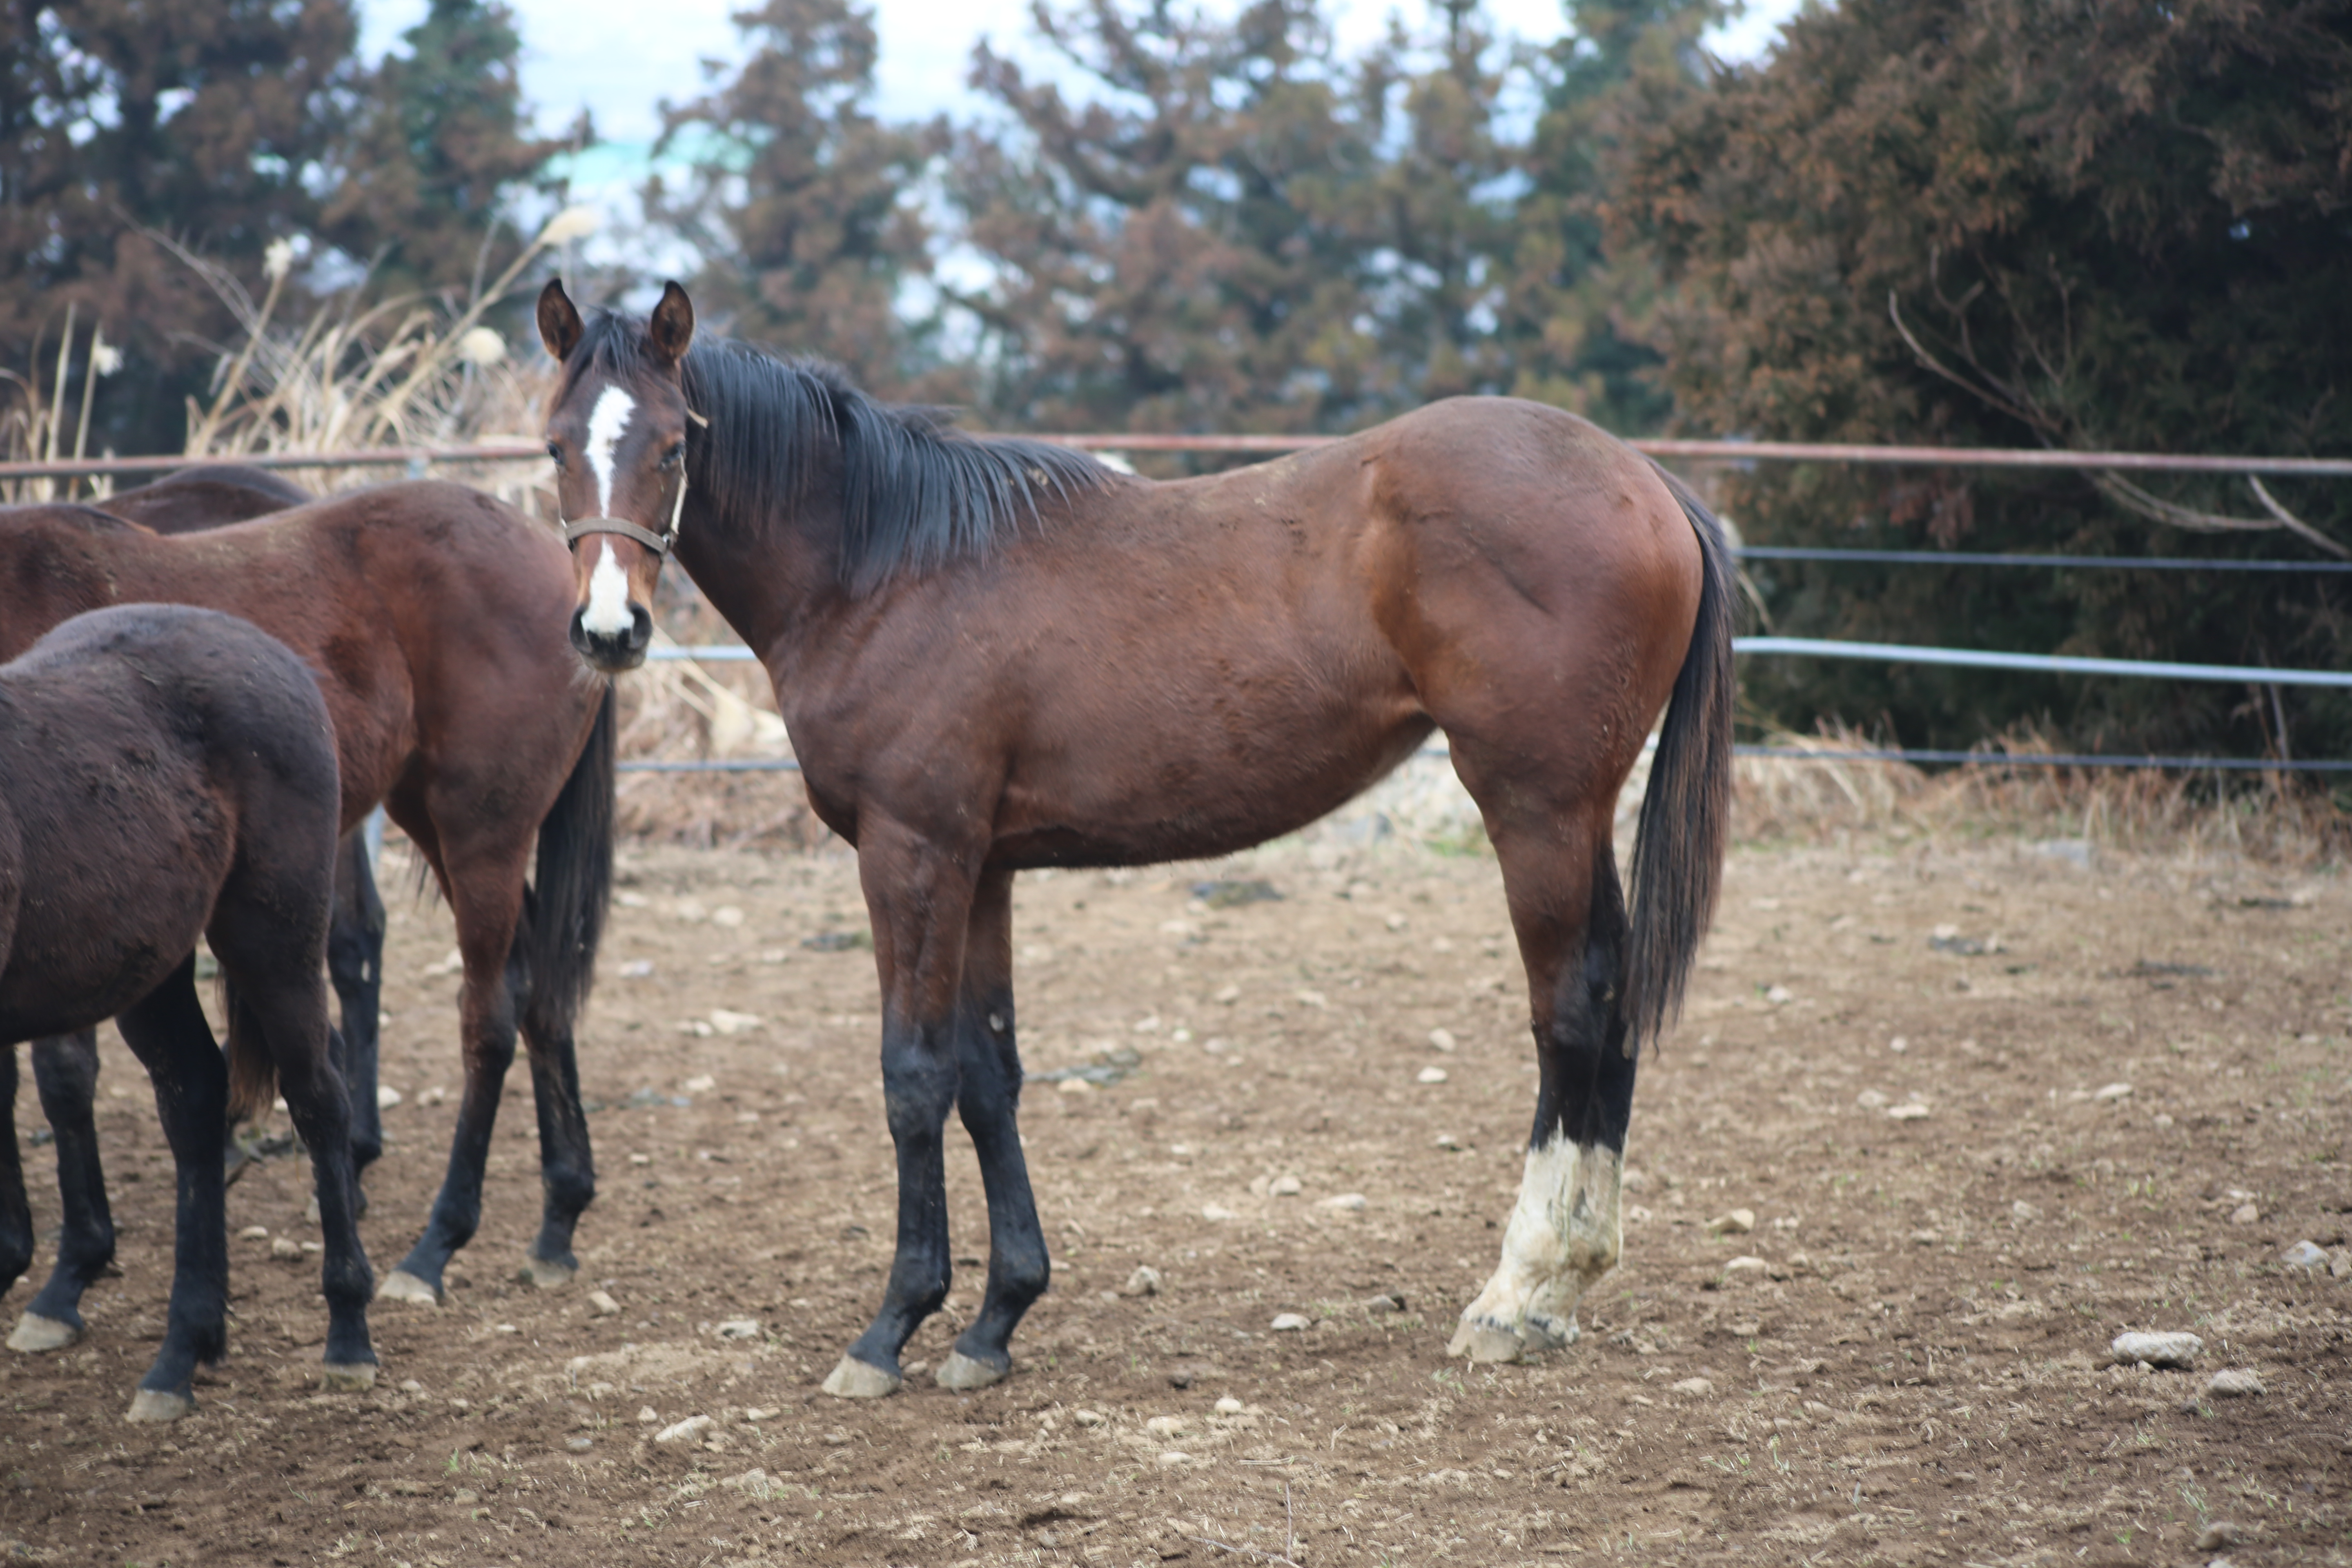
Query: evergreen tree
[(803, 200), (437, 150), (1184, 252), (204, 119), (2002, 223), (1579, 315)]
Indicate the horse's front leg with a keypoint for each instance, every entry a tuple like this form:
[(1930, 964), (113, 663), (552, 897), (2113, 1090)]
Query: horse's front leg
[(355, 966), (919, 896), (989, 1099)]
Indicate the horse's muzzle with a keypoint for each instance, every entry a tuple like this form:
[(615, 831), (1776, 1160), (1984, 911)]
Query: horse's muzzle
[(614, 652)]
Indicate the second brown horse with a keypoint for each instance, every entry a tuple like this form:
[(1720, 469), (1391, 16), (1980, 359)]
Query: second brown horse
[(477, 731)]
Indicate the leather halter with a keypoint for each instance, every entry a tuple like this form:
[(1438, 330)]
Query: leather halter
[(660, 543)]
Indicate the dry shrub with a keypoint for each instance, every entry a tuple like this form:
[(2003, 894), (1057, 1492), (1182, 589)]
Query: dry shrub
[(2273, 818)]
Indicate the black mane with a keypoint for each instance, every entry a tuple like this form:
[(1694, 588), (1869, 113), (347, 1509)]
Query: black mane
[(914, 490)]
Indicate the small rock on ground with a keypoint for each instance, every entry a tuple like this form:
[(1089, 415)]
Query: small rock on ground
[(2235, 1383), (2156, 1349), (1738, 1222), (1695, 1385), (2304, 1255), (2219, 1535), (693, 1427), (602, 1304), (1352, 1203), (1288, 1323), (1144, 1281)]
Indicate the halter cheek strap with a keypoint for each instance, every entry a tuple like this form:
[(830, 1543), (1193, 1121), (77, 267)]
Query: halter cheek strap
[(659, 544)]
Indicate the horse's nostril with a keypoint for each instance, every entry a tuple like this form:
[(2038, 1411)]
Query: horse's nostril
[(641, 626)]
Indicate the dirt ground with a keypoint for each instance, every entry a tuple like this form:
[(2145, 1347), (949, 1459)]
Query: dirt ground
[(2133, 1074)]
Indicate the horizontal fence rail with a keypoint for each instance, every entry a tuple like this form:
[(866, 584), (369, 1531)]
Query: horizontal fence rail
[(2046, 663), (2063, 563), (1656, 446)]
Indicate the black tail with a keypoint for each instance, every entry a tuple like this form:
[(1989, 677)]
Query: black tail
[(563, 918), (252, 1070), (1686, 811)]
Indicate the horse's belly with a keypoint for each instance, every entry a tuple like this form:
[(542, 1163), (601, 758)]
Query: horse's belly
[(1136, 806)]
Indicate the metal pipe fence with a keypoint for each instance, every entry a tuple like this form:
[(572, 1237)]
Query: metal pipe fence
[(418, 459)]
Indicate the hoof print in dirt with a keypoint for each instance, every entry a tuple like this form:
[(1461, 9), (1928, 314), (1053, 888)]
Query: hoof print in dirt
[(855, 1379)]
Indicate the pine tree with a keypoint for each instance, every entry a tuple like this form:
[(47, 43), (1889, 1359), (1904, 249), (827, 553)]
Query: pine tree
[(437, 150), (803, 200), (203, 118), (1184, 254)]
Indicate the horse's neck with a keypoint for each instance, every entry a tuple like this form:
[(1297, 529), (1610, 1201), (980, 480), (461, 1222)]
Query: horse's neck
[(760, 574)]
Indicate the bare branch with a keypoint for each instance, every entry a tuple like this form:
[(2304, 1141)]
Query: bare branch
[(2289, 521), (1930, 362)]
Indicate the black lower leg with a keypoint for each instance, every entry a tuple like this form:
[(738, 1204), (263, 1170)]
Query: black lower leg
[(457, 1211), (918, 1086), (567, 1169), (65, 1070), (166, 1030), (318, 1101), (355, 965), (988, 1099), (15, 1211)]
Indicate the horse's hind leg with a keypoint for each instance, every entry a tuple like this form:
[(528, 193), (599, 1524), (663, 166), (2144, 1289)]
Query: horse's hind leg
[(567, 1166), (166, 1031), (15, 1210), (289, 1011), (355, 965), (988, 1095), (65, 1070), (1565, 1231)]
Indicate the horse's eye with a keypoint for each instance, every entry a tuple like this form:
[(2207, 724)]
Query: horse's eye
[(675, 455), (555, 452)]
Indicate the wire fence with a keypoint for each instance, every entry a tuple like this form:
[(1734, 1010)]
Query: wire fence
[(417, 460)]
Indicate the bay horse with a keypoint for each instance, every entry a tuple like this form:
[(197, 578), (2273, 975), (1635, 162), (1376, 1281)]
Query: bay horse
[(167, 773), (475, 727), (996, 654)]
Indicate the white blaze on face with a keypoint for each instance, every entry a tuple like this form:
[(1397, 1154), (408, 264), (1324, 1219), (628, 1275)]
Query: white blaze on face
[(607, 423), (607, 613), (1564, 1234)]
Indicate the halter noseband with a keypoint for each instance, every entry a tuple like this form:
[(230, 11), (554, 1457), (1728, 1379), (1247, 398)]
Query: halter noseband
[(659, 544)]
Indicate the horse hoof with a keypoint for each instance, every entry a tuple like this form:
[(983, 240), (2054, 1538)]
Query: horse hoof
[(1484, 1341), (1542, 1334), (545, 1275), (36, 1333), (963, 1374), (348, 1377), (855, 1379), (402, 1286), (156, 1405)]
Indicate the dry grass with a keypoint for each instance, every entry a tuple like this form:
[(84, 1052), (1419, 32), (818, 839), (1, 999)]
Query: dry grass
[(2273, 818)]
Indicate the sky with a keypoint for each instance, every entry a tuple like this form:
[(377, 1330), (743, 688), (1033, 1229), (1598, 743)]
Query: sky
[(620, 58)]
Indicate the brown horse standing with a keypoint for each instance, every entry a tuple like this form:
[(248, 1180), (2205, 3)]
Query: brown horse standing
[(996, 654), (465, 717)]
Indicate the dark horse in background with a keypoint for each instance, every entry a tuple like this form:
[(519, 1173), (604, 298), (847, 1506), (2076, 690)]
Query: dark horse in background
[(478, 731), (65, 1067), (167, 773), (994, 655)]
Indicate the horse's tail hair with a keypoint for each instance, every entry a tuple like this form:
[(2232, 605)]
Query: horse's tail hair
[(1685, 818), (572, 887), (252, 1070)]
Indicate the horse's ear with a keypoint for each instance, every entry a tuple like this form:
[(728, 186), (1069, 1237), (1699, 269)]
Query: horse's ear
[(559, 321), (672, 326)]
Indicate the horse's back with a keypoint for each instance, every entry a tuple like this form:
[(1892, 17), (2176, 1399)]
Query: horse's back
[(206, 495), (144, 750)]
